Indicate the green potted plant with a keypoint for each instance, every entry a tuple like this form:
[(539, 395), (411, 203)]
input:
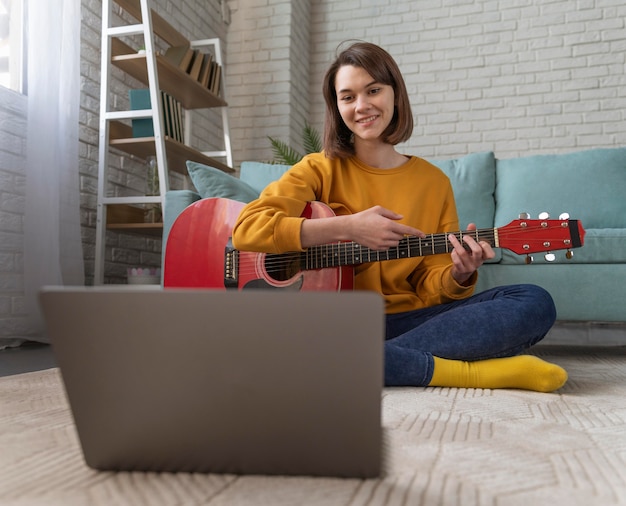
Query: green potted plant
[(287, 155)]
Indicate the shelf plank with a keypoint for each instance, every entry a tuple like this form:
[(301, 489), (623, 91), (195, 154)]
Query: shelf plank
[(189, 92), (159, 25), (129, 219), (151, 229), (143, 147), (124, 213)]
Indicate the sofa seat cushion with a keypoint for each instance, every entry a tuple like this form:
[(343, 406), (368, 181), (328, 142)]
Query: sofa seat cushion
[(601, 246), (591, 292), (212, 182), (588, 185)]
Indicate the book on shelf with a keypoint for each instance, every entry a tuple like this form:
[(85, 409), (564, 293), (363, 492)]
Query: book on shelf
[(180, 121), (196, 65), (174, 127), (215, 81), (205, 71), (186, 62), (176, 55), (180, 56), (200, 66), (172, 115), (176, 117), (218, 81), (167, 115)]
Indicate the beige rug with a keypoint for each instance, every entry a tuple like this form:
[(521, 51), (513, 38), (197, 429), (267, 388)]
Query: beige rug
[(445, 447)]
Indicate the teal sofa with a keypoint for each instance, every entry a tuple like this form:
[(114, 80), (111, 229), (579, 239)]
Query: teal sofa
[(589, 185)]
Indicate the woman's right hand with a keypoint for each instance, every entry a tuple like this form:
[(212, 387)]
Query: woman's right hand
[(378, 228)]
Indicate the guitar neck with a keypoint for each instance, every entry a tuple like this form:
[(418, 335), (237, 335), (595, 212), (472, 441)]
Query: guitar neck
[(351, 253)]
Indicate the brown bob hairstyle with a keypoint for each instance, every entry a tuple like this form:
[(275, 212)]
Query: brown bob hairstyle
[(382, 67)]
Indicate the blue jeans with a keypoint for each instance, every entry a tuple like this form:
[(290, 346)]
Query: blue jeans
[(500, 322)]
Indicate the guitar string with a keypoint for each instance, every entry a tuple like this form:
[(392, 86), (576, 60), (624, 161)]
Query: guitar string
[(351, 250)]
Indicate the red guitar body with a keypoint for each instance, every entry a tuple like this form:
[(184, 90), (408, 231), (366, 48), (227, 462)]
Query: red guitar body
[(196, 246)]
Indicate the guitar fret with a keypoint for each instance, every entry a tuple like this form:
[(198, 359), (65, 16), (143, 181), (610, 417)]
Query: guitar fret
[(352, 253)]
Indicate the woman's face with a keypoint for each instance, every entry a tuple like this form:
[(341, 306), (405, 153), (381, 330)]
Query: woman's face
[(366, 106)]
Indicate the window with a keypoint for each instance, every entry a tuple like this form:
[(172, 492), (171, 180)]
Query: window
[(12, 44)]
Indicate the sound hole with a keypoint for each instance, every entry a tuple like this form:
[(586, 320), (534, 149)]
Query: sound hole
[(282, 267)]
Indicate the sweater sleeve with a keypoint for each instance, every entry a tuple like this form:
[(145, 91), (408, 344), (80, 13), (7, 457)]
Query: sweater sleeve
[(272, 223)]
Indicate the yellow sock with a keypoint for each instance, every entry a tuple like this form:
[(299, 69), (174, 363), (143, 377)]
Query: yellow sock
[(524, 371)]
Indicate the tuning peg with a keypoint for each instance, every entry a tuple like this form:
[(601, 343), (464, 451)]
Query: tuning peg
[(564, 216), (544, 216), (524, 216), (569, 255), (528, 260), (550, 257)]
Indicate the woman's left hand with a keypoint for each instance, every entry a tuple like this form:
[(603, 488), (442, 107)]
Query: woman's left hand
[(467, 261)]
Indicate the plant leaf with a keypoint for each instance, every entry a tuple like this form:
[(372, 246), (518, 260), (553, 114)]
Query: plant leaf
[(311, 139), (283, 153)]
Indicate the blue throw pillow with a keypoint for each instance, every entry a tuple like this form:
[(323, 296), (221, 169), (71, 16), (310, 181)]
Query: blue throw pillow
[(473, 179), (212, 182), (259, 175)]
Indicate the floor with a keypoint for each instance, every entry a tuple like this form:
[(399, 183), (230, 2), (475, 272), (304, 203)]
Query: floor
[(35, 357), (26, 358)]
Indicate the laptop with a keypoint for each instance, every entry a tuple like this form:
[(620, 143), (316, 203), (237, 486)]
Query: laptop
[(244, 382)]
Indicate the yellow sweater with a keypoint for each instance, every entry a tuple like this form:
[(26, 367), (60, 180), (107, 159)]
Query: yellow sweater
[(417, 190)]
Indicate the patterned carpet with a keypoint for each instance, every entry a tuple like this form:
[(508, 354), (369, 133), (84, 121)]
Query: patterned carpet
[(444, 446)]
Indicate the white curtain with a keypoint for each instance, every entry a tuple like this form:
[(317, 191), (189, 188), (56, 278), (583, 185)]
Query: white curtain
[(52, 241)]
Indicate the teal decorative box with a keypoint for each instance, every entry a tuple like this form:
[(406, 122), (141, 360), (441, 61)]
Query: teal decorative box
[(140, 99)]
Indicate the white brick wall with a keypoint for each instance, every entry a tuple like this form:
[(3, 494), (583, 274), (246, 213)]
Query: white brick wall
[(258, 74), (539, 76), (195, 19), (12, 196), (516, 78)]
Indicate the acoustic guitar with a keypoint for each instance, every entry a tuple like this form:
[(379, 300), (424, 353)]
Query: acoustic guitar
[(199, 252)]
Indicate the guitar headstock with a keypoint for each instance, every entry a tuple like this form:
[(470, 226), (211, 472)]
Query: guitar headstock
[(543, 235)]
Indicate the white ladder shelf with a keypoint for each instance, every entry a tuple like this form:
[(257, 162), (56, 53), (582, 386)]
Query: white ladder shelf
[(112, 131)]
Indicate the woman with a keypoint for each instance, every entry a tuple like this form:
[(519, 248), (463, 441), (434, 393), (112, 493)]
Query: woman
[(438, 333)]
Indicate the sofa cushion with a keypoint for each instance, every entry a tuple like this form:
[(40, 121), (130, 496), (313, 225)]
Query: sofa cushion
[(473, 179), (258, 175), (588, 185), (212, 182)]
